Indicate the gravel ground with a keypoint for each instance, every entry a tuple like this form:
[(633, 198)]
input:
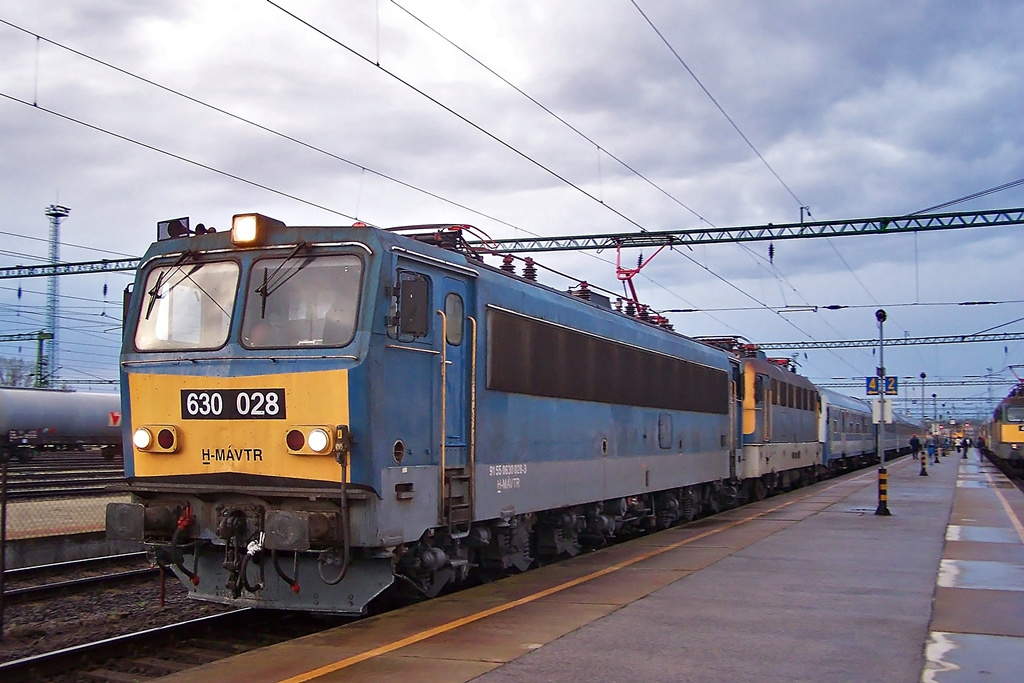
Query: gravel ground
[(87, 615)]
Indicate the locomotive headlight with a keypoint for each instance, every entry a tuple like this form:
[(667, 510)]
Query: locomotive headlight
[(319, 440), (156, 438), (309, 440), (142, 438), (248, 229)]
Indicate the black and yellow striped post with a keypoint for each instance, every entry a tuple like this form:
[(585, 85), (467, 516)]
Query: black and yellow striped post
[(883, 493), (924, 464)]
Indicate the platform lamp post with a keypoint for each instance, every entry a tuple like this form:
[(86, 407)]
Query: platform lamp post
[(922, 397), (883, 476)]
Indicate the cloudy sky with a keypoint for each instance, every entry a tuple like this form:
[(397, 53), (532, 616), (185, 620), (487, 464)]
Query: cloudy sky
[(855, 109)]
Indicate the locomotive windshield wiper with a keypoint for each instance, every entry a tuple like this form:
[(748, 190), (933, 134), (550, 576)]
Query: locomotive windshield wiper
[(155, 294), (269, 286)]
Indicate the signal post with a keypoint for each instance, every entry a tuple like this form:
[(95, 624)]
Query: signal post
[(881, 414)]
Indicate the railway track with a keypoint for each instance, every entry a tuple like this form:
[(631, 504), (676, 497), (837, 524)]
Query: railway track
[(157, 652), (1014, 475), (63, 473), (46, 581)]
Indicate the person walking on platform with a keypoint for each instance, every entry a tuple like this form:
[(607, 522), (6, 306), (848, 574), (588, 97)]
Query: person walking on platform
[(967, 445), (933, 453), (915, 445)]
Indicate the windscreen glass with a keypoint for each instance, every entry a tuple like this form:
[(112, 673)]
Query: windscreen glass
[(1015, 413), (302, 301), (187, 306)]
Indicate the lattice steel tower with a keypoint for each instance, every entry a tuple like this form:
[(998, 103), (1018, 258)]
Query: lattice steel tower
[(56, 214)]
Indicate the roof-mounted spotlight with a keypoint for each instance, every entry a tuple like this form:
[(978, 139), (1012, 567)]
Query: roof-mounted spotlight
[(249, 229)]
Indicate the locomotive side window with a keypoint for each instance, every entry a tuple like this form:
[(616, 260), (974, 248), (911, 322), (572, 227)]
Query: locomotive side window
[(302, 301), (413, 304), (1015, 413), (187, 306), (775, 392), (455, 318)]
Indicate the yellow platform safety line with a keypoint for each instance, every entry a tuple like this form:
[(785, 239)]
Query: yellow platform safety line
[(1018, 527), (452, 625)]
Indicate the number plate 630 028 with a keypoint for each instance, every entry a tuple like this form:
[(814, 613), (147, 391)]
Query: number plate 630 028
[(232, 404)]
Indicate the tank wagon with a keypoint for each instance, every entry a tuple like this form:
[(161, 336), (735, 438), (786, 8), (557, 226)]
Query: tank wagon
[(44, 419), (321, 414), (1005, 432)]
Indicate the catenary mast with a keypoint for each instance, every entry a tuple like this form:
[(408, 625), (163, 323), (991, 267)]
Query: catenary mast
[(56, 214)]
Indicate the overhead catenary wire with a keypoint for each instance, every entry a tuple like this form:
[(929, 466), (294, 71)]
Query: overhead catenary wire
[(560, 119), (179, 157), (716, 103), (62, 244), (265, 128), (974, 195), (746, 140), (507, 145)]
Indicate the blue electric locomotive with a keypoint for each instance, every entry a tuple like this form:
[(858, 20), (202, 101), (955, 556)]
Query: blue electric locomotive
[(317, 414)]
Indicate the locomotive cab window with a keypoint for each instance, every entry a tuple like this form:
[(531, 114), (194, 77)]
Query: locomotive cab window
[(455, 318), (1015, 413), (304, 301), (187, 306)]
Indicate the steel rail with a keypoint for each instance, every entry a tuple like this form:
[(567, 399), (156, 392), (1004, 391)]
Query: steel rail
[(71, 565), (44, 666), (43, 590)]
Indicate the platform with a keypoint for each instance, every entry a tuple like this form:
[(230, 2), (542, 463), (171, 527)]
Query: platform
[(810, 585)]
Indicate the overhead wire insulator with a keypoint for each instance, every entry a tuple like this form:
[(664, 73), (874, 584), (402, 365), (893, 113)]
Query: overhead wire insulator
[(529, 270)]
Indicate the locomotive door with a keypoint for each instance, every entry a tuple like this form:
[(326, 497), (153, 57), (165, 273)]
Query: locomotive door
[(457, 341), (762, 404), (735, 418)]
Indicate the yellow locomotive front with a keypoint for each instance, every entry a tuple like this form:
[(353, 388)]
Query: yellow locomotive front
[(236, 367)]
